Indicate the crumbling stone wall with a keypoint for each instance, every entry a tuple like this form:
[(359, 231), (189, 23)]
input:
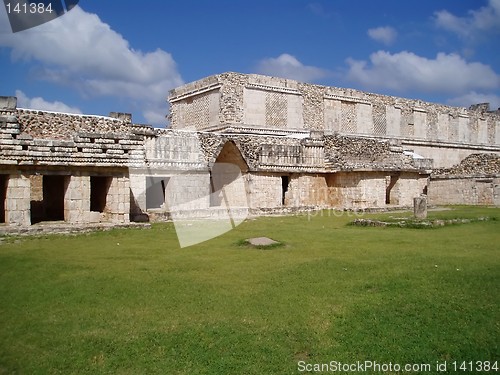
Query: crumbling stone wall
[(344, 153), (475, 180), (63, 126), (473, 165)]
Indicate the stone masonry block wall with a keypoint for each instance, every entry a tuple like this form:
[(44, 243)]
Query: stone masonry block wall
[(308, 190), (49, 138), (188, 191), (475, 180), (17, 203), (275, 102), (466, 190), (264, 190), (358, 189), (407, 187), (118, 200), (77, 200)]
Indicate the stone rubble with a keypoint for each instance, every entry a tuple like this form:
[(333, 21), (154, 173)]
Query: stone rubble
[(475, 164)]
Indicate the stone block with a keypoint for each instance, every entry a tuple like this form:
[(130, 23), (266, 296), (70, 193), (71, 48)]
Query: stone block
[(94, 217), (420, 207), (8, 103)]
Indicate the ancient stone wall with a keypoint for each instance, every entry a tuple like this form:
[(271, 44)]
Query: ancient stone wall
[(17, 207), (464, 190), (256, 102), (473, 165), (475, 180), (46, 138)]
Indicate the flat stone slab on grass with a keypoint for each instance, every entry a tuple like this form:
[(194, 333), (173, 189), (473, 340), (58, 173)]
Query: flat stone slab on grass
[(261, 241)]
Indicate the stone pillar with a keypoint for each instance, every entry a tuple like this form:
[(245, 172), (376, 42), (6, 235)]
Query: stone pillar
[(420, 207), (77, 200), (17, 200), (118, 200), (138, 188)]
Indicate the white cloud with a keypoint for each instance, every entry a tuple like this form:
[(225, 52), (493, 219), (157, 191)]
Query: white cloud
[(406, 71), (81, 51), (23, 101), (287, 66), (483, 19), (476, 98), (386, 34)]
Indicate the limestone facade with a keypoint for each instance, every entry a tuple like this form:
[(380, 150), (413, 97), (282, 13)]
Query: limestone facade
[(270, 105), (245, 141)]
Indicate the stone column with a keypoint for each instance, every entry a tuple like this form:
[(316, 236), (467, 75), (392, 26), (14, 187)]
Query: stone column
[(17, 200), (77, 200), (420, 207), (118, 200)]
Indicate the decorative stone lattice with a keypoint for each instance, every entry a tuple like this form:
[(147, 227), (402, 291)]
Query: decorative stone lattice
[(348, 120), (313, 107), (198, 114), (379, 120), (276, 109)]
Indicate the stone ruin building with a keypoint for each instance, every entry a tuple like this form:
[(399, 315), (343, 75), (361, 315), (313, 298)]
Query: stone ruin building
[(297, 146)]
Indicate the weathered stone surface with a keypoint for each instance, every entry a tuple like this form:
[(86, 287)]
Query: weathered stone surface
[(262, 241), (420, 207), (8, 102), (475, 164), (297, 146)]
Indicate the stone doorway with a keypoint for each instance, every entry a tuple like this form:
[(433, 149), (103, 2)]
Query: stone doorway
[(285, 181), (227, 178), (99, 189), (155, 191), (390, 197), (47, 197)]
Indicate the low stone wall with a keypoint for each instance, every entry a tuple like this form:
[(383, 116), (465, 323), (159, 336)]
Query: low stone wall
[(475, 181), (473, 190)]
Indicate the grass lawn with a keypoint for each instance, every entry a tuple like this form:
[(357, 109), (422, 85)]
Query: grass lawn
[(130, 301)]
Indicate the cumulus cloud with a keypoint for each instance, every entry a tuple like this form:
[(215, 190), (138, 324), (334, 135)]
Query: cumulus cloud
[(484, 19), (475, 98), (386, 34), (406, 71), (23, 101), (287, 66), (83, 52)]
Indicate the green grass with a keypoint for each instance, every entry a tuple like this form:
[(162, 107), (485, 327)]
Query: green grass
[(132, 302)]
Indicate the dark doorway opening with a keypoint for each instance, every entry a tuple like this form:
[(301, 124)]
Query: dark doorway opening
[(3, 195), (155, 191), (284, 188), (388, 198), (99, 188), (47, 198)]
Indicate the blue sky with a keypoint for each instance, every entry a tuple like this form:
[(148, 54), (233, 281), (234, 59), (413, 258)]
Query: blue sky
[(125, 56)]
